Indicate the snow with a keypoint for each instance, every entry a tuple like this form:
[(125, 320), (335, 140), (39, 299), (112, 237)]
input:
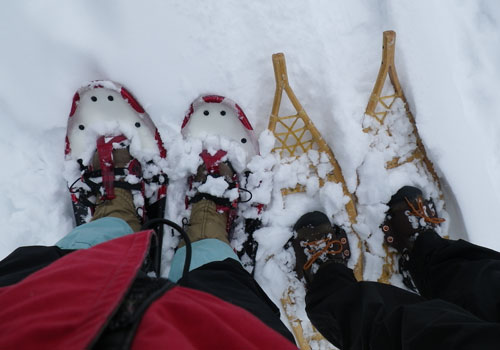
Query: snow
[(169, 53)]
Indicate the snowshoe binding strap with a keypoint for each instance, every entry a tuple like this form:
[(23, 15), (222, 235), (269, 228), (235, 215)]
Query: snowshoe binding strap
[(215, 167), (212, 162), (222, 204), (103, 167), (105, 151)]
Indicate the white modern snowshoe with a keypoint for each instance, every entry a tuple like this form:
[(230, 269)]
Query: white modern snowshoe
[(106, 120), (227, 138)]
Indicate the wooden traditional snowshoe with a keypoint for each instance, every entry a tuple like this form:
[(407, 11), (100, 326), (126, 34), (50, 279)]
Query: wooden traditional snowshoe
[(296, 140), (396, 149)]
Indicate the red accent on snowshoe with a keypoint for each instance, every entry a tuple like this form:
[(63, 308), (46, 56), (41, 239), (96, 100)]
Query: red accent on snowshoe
[(213, 98), (74, 104), (212, 161), (163, 151), (222, 208), (94, 84), (67, 148), (187, 116), (218, 99), (260, 207), (131, 100), (185, 121), (74, 198), (134, 168), (162, 192), (117, 139), (231, 215), (243, 118), (105, 152)]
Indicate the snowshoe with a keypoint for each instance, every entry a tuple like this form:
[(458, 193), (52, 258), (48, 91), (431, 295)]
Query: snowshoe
[(228, 145), (111, 142), (396, 151)]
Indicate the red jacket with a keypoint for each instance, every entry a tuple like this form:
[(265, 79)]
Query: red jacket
[(67, 304)]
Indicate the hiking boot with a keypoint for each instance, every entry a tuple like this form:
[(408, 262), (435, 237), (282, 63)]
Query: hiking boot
[(317, 242), (409, 215), (213, 197)]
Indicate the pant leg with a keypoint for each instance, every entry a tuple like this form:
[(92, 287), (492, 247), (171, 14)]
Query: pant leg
[(24, 261), (371, 315), (95, 232), (204, 252), (459, 272), (229, 281), (122, 207)]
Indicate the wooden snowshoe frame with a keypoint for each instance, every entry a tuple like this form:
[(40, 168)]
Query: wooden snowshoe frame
[(378, 107), (384, 103), (301, 131), (299, 136)]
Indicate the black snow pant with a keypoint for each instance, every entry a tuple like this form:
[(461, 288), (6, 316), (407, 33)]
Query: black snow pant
[(459, 305), (229, 281)]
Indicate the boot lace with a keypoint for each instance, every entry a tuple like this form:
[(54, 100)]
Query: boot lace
[(420, 211), (325, 245)]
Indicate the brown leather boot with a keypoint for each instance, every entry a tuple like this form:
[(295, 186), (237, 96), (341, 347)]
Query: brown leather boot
[(408, 216), (318, 242)]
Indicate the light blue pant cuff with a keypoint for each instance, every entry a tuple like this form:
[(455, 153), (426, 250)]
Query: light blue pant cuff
[(204, 252), (95, 232)]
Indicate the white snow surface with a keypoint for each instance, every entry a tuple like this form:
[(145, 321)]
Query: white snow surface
[(169, 53)]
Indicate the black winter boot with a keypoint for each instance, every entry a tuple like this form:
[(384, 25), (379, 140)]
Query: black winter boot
[(318, 242), (408, 216)]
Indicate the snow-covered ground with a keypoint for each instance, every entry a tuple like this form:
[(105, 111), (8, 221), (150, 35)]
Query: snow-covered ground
[(167, 53)]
